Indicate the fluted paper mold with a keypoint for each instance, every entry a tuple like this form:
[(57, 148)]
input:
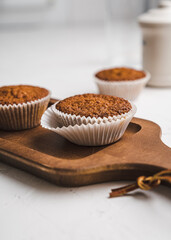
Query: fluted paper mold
[(22, 116), (88, 134)]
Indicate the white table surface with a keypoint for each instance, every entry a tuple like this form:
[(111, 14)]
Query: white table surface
[(64, 60)]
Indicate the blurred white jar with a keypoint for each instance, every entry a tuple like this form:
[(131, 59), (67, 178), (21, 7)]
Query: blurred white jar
[(156, 29)]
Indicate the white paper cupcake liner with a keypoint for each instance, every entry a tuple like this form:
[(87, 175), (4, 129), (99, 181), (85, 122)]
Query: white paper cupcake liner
[(22, 116), (66, 119), (96, 134), (125, 89)]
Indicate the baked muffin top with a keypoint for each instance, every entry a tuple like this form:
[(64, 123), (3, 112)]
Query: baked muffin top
[(120, 74), (94, 105), (16, 94)]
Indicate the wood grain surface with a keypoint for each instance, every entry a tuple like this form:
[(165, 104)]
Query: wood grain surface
[(50, 156)]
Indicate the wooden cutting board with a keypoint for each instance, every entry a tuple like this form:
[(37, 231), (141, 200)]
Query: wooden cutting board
[(50, 156)]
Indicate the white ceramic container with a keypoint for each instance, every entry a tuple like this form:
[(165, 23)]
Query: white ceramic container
[(156, 29)]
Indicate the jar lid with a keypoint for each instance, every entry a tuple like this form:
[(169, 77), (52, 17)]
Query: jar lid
[(160, 15)]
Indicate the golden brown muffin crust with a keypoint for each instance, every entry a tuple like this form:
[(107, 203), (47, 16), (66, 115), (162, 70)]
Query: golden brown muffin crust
[(16, 94), (94, 105), (120, 74)]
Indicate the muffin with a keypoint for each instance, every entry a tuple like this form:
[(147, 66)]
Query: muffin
[(90, 108), (90, 119), (121, 82), (21, 106)]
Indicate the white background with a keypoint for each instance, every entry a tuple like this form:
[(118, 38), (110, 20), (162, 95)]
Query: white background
[(66, 11)]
